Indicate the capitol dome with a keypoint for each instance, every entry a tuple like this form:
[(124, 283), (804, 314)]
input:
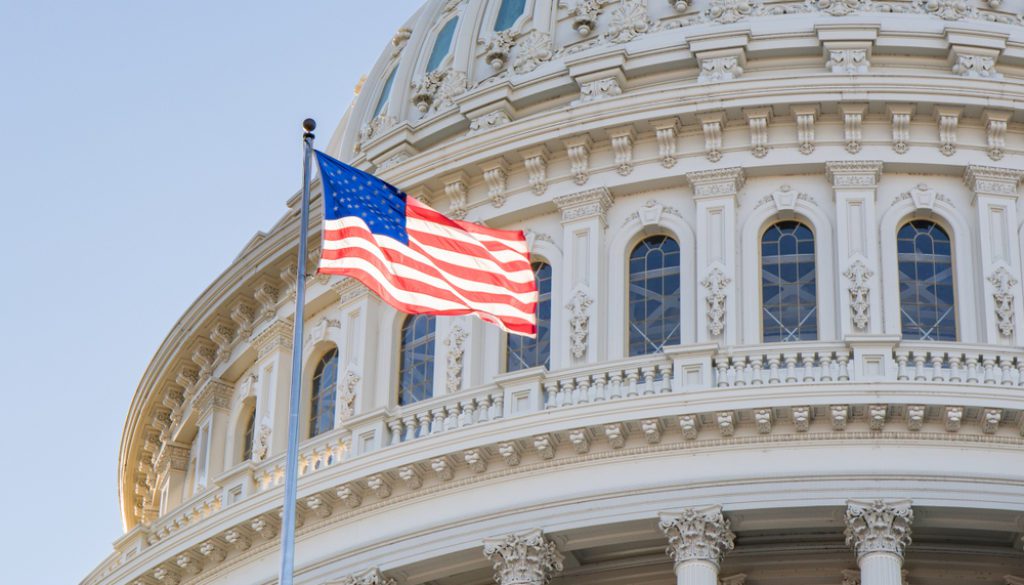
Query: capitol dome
[(778, 247)]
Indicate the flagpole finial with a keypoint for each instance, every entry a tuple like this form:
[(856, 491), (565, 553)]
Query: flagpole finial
[(309, 124)]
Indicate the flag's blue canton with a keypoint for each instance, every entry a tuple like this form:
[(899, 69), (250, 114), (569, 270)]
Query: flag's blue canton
[(349, 191)]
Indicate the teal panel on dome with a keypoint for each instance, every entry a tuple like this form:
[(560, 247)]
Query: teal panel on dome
[(442, 45), (385, 94), (509, 13)]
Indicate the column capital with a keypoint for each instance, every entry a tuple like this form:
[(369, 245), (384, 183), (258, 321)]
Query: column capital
[(585, 204), (717, 182), (878, 526), (370, 577), (277, 335), (524, 558), (214, 393), (697, 534), (998, 181), (854, 173)]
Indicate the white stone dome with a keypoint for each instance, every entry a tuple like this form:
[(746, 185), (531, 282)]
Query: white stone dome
[(780, 244)]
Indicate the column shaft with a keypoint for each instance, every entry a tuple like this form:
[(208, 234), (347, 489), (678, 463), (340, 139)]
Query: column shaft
[(697, 573), (881, 568)]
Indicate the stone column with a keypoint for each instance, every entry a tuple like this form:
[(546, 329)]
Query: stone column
[(715, 194), (525, 558), (860, 306), (584, 275), (879, 531), (999, 269), (698, 538)]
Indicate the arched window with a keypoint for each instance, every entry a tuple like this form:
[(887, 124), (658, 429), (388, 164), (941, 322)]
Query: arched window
[(509, 13), (321, 406), (927, 304), (789, 294), (250, 429), (416, 375), (654, 312), (442, 45), (385, 94), (524, 352)]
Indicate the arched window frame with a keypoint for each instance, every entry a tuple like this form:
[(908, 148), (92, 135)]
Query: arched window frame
[(620, 246), (315, 390), (812, 216), (494, 11), (435, 35), (953, 268), (969, 311), (817, 279), (675, 332), (248, 433), (383, 100), (431, 342), (535, 260)]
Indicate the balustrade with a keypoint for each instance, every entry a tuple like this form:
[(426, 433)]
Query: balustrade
[(789, 364), (446, 413)]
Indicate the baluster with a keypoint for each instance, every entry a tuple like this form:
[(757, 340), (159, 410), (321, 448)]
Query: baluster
[(666, 378), (452, 420), (551, 389), (395, 426), (723, 372), (919, 366), (989, 364), (937, 373), (648, 372), (742, 369), (972, 369), (1020, 372), (790, 367), (600, 387), (410, 427), (564, 393), (631, 378), (616, 383), (571, 393), (583, 389), (808, 363), (466, 418), (825, 364), (844, 359), (1005, 377), (773, 369), (434, 421), (955, 373), (901, 365), (755, 370), (484, 409), (499, 405)]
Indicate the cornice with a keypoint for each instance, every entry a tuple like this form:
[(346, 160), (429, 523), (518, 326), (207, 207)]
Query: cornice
[(854, 173)]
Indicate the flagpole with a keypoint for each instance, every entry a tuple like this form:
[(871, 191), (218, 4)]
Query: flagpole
[(291, 471)]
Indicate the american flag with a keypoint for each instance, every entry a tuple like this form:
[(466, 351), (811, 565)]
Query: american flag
[(419, 261)]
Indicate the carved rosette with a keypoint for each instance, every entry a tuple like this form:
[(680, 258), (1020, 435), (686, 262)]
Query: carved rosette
[(878, 526), (628, 21), (729, 11), (859, 274), (1002, 293), (523, 559), (579, 322), (533, 48), (697, 534), (716, 284)]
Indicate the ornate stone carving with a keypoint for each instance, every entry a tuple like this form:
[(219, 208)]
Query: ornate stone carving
[(458, 196), (901, 127), (350, 495), (757, 120), (411, 476), (954, 417), (370, 577), (262, 448), (848, 61), (763, 420), (243, 315), (622, 148), (523, 559), (878, 526), (876, 416), (509, 451), (995, 132), (598, 89), (579, 322), (990, 418), (456, 343), (976, 66), (488, 121), (651, 428), (589, 203), (853, 117), (801, 417), (697, 534), (689, 424), (1003, 284), (578, 150), (948, 119), (947, 9), (476, 459), (437, 89), (498, 47), (536, 162), (616, 435), (714, 69), (726, 422), (347, 394), (166, 576), (400, 39), (839, 415), (859, 275), (584, 16), (729, 11), (545, 446), (266, 295), (716, 283), (840, 7), (379, 485), (713, 125), (628, 21), (717, 182), (805, 128), (533, 49), (496, 178), (443, 467), (376, 127), (921, 196), (237, 539), (666, 132)]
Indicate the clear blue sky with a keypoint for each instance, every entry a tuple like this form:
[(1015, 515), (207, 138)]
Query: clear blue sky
[(141, 145)]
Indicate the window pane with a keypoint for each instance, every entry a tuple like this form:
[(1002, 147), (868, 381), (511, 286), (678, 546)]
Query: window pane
[(925, 263), (247, 441), (385, 93), (524, 352), (442, 45), (509, 12), (321, 407), (416, 373), (788, 291), (654, 281)]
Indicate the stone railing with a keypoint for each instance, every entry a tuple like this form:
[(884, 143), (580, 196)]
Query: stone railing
[(639, 376), (318, 453), (446, 413), (785, 364), (959, 364), (200, 507)]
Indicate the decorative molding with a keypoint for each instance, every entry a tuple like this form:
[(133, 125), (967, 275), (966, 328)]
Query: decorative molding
[(1003, 284), (697, 534), (996, 122), (496, 178), (525, 558), (536, 162), (996, 181), (651, 213), (628, 21), (854, 173), (922, 196), (437, 90), (859, 276), (533, 49), (622, 147), (717, 182), (456, 344), (878, 526), (713, 125), (948, 118), (853, 118), (977, 66), (488, 121), (729, 11), (598, 89), (578, 151), (758, 120), (719, 68), (456, 188), (370, 577), (579, 322), (848, 61), (584, 16), (347, 394), (716, 283), (805, 116), (666, 133), (498, 47), (901, 114), (584, 204)]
